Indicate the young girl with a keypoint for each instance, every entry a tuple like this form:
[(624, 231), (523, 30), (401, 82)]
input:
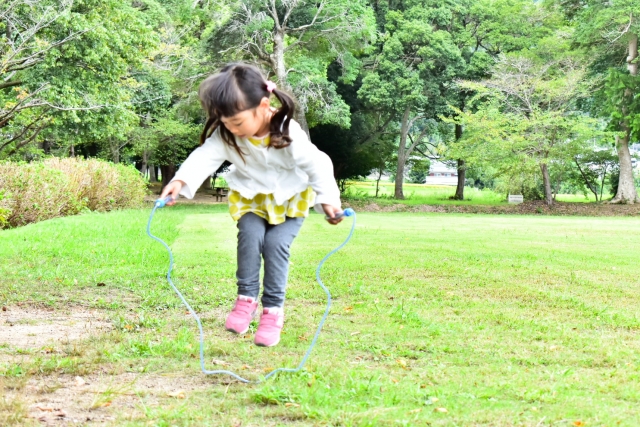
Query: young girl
[(275, 172)]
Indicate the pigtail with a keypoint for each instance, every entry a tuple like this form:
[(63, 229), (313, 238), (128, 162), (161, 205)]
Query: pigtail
[(279, 127), (236, 88), (209, 127)]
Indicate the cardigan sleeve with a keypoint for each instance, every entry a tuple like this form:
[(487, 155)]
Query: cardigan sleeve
[(200, 164), (318, 167)]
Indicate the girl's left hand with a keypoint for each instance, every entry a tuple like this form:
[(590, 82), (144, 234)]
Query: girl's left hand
[(331, 212)]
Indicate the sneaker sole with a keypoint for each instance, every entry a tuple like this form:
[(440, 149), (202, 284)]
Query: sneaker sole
[(236, 332), (270, 345)]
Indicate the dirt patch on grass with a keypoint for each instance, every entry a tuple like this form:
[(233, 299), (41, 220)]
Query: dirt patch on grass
[(24, 327), (97, 398), (527, 208)]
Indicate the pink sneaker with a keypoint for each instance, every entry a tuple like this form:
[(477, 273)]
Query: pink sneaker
[(271, 323), (240, 317)]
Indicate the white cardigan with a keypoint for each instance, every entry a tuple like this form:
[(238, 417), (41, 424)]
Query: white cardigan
[(283, 172)]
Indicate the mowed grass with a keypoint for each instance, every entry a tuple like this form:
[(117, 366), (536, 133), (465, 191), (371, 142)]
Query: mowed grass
[(423, 194), (437, 319)]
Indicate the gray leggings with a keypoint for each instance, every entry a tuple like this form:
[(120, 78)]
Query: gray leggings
[(256, 238)]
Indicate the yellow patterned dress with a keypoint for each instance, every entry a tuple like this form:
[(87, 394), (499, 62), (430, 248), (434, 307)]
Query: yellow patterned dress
[(264, 205)]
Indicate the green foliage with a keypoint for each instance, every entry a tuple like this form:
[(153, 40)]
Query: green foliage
[(296, 42), (419, 169), (620, 101), (525, 117), (33, 192), (84, 85), (4, 211)]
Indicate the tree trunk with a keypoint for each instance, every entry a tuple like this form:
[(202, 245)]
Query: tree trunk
[(168, 172), (627, 192), (402, 157), (592, 186), (153, 177), (462, 174), (548, 196), (378, 181), (281, 73), (144, 166), (604, 176)]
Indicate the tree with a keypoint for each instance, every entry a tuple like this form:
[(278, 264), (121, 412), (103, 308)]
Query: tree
[(483, 30), (296, 40), (427, 46), (530, 116), (609, 31), (75, 70), (593, 168), (415, 56), (25, 41)]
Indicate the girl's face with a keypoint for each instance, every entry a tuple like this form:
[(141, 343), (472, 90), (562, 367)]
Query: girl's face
[(251, 122)]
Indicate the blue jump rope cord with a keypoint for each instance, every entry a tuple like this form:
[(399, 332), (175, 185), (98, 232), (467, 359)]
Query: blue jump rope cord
[(348, 212)]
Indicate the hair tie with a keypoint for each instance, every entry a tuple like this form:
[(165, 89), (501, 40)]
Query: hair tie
[(270, 86)]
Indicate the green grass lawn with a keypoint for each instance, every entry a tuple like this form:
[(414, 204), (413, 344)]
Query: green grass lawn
[(422, 194), (438, 319)]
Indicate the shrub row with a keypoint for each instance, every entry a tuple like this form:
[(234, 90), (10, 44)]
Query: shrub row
[(32, 192)]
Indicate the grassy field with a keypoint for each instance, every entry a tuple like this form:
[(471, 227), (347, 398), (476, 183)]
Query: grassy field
[(422, 194), (438, 319)]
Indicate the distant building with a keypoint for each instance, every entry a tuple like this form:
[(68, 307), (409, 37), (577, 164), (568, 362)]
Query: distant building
[(441, 174)]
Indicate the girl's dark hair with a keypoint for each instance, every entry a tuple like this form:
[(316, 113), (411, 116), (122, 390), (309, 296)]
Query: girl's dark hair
[(240, 87)]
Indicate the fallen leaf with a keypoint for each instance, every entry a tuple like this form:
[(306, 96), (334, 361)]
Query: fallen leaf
[(60, 413), (443, 410), (355, 333), (219, 362), (80, 382), (401, 363), (395, 380), (102, 284), (4, 308), (180, 394), (578, 423), (434, 399), (348, 308), (105, 404), (44, 408), (415, 411), (290, 404)]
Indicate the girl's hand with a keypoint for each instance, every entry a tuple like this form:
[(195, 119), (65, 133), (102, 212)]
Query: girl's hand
[(172, 189), (331, 212)]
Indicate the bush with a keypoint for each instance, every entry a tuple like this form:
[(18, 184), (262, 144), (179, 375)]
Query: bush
[(32, 192)]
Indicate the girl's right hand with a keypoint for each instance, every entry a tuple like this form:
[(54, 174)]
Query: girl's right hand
[(172, 189)]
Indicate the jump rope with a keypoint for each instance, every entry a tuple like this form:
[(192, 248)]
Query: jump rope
[(160, 203)]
